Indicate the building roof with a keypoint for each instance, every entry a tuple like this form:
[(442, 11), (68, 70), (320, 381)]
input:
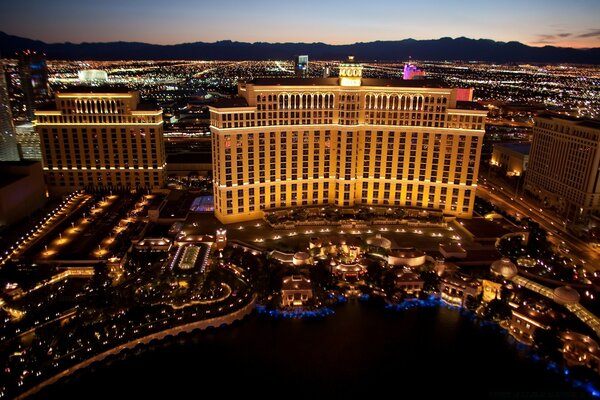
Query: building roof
[(429, 83), (538, 311), (296, 282), (230, 102), (403, 276), (379, 241), (460, 280), (586, 122), (566, 295), (470, 105), (48, 106), (6, 180), (407, 252), (21, 163), (95, 89), (504, 267), (481, 228), (521, 148)]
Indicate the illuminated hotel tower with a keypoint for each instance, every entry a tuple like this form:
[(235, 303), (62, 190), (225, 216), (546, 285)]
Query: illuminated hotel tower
[(101, 138), (33, 73), (345, 141), (8, 142), (564, 165)]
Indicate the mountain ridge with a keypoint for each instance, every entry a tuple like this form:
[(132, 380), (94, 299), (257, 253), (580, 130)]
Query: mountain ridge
[(441, 49)]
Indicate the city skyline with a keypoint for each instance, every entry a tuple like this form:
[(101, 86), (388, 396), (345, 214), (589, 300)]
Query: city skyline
[(534, 23)]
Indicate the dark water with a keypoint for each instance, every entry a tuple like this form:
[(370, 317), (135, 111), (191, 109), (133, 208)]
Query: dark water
[(361, 351)]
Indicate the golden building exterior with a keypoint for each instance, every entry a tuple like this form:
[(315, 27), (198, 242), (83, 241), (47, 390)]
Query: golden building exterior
[(101, 138), (344, 141), (564, 165)]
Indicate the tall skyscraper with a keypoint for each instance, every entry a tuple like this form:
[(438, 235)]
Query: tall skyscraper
[(564, 165), (8, 143), (301, 66), (345, 142), (28, 142), (101, 138), (33, 72)]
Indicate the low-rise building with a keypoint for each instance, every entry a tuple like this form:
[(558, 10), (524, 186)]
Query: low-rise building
[(22, 190), (296, 290), (529, 317), (409, 257), (409, 282), (452, 250), (579, 350), (455, 289), (512, 158), (491, 290)]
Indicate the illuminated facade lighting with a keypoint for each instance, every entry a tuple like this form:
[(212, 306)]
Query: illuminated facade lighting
[(101, 138), (345, 142), (563, 165)]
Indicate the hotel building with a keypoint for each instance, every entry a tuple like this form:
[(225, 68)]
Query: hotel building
[(345, 141), (564, 165), (101, 138)]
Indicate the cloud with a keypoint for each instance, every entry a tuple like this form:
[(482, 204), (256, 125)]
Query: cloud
[(558, 37), (546, 36), (592, 33)]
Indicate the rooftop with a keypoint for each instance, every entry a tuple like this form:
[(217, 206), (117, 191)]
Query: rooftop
[(586, 122), (481, 228), (296, 282), (95, 89), (6, 180), (230, 102), (469, 105), (426, 83), (22, 163)]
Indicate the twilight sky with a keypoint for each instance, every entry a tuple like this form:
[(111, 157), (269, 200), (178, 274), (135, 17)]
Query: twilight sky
[(574, 23)]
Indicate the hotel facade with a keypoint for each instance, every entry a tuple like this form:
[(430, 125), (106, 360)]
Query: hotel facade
[(564, 166), (346, 142), (101, 138)]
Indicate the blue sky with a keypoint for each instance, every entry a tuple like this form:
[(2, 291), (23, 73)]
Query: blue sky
[(536, 22)]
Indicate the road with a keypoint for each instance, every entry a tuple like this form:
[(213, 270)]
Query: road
[(520, 207)]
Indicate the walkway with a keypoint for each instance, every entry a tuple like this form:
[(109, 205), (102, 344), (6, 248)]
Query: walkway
[(577, 309), (189, 327)]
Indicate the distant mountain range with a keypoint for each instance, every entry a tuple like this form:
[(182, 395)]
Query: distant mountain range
[(438, 49)]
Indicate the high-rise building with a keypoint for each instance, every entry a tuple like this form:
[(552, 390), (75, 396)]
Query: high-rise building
[(564, 165), (8, 143), (22, 190), (345, 142), (33, 73), (301, 66), (28, 142), (101, 138)]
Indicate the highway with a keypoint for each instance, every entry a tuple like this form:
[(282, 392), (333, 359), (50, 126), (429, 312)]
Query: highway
[(504, 198)]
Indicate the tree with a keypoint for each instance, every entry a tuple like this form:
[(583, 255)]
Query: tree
[(537, 244), (431, 281), (320, 274), (548, 343), (498, 310), (374, 271), (471, 302), (388, 282)]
